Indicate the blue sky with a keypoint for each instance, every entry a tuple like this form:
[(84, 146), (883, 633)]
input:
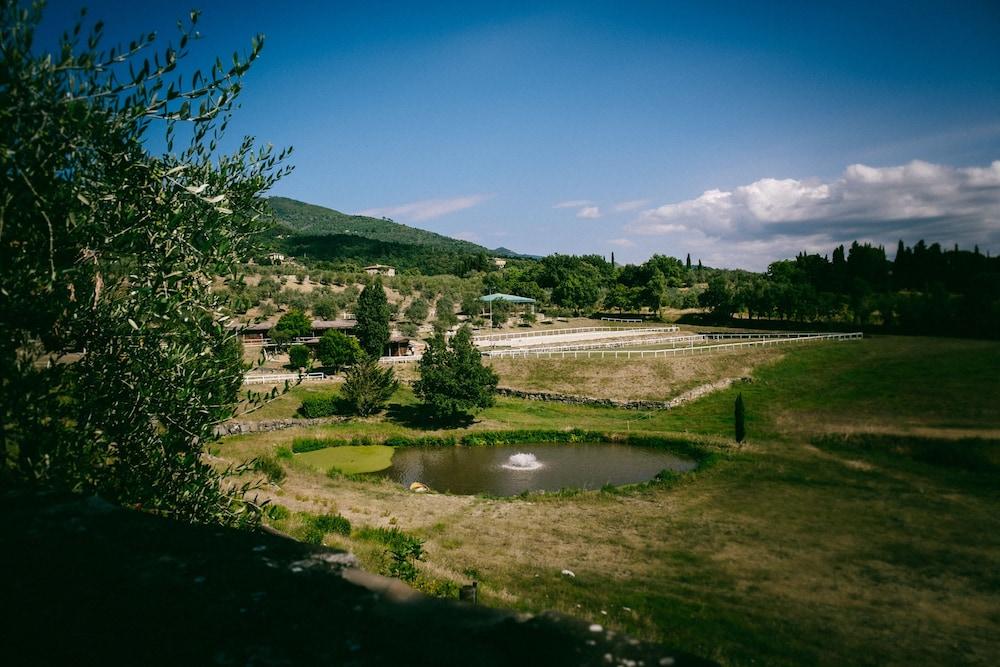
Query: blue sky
[(738, 132)]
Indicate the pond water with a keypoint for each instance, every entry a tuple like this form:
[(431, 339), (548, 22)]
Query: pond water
[(509, 470)]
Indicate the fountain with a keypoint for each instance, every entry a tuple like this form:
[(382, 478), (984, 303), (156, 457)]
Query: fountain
[(522, 461)]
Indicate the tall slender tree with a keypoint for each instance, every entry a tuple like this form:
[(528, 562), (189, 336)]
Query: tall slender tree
[(740, 419), (372, 314)]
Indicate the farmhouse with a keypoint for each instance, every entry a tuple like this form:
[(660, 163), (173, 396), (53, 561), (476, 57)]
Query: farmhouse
[(399, 346), (380, 270), (499, 262)]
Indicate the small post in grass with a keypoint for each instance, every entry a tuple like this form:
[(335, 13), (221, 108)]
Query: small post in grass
[(469, 593), (740, 418)]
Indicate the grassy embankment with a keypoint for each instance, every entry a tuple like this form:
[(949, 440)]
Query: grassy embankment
[(799, 548)]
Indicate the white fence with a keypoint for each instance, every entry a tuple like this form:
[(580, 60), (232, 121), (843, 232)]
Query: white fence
[(273, 378), (766, 334), (562, 332), (622, 319), (406, 359), (267, 342), (673, 341), (668, 352)]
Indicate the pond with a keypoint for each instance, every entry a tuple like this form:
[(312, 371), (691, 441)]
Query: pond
[(511, 469)]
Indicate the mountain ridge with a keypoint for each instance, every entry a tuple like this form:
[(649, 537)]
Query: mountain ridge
[(307, 219)]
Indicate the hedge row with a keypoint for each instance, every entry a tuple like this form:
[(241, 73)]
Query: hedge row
[(318, 406), (309, 444)]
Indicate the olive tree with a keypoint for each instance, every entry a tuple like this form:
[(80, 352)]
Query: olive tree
[(116, 361)]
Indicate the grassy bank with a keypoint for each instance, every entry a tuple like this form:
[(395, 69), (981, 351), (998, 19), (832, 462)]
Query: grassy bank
[(845, 532)]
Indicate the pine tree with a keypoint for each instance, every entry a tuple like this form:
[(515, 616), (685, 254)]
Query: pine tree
[(372, 314), (453, 380), (740, 418), (367, 386)]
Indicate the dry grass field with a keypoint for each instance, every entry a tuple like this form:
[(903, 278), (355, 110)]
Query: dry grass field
[(879, 545), (629, 379)]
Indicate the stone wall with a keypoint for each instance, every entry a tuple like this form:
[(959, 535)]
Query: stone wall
[(236, 427)]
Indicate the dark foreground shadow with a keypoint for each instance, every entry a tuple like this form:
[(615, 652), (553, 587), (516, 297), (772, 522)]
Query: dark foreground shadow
[(129, 588)]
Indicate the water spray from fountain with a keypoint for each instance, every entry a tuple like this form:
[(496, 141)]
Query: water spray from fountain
[(522, 461)]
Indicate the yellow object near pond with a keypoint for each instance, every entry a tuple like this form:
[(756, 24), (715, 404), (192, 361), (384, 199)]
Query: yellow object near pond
[(349, 459)]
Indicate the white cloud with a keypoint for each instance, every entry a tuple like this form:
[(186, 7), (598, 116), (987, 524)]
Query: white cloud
[(427, 209), (630, 205), (573, 203), (773, 218), (624, 243), (589, 212)]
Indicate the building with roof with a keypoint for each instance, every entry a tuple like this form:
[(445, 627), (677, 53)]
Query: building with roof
[(398, 346), (507, 298), (380, 270)]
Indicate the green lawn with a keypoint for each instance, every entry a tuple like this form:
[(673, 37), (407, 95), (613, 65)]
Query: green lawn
[(799, 548)]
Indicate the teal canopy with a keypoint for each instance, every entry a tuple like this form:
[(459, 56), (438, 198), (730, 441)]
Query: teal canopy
[(506, 297)]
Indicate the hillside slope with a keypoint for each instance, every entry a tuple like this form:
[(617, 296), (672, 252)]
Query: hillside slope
[(312, 220)]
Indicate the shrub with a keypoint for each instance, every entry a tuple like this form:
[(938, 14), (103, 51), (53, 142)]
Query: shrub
[(299, 356), (318, 406), (403, 549), (278, 512), (300, 445), (271, 469), (368, 387), (284, 453), (312, 534), (333, 523)]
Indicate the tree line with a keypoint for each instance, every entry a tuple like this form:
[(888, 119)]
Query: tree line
[(584, 283), (925, 289)]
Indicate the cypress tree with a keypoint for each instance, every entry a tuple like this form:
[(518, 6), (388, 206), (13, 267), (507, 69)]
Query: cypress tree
[(373, 319), (689, 262), (741, 430)]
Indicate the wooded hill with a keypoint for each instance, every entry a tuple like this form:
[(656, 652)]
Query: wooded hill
[(324, 236), (311, 220)]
